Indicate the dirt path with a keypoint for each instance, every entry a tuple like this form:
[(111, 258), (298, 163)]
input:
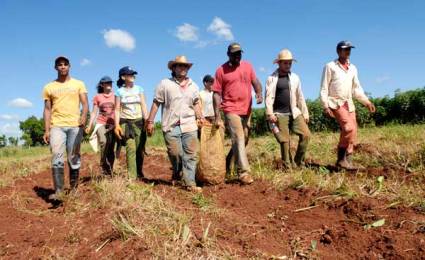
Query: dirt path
[(249, 221)]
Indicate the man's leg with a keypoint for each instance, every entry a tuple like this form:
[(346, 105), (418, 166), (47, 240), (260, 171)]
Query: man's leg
[(238, 128), (58, 147), (73, 145), (284, 138), (174, 149), (189, 159), (348, 128), (300, 128)]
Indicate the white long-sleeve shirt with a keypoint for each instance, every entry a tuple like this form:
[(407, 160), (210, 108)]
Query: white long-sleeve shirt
[(340, 85)]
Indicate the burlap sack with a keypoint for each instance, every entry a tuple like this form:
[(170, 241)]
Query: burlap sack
[(212, 160)]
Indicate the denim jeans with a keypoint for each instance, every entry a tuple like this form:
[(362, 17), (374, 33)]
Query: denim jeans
[(69, 139), (182, 150), (238, 127)]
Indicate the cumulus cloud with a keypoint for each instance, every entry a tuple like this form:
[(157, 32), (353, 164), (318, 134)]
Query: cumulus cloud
[(20, 103), (187, 33), (382, 79), (8, 117), (116, 38), (221, 29), (10, 129), (85, 62)]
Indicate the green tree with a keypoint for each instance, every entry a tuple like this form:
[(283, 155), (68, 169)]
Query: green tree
[(13, 140), (33, 130), (2, 140)]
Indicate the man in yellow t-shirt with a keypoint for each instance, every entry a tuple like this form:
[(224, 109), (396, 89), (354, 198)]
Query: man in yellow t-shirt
[(63, 123)]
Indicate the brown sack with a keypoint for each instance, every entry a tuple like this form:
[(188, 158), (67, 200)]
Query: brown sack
[(212, 161)]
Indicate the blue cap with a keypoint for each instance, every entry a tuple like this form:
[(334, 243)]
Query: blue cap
[(127, 71), (105, 79), (344, 45)]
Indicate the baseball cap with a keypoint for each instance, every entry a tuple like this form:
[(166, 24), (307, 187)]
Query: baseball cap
[(105, 79), (234, 47), (59, 58), (344, 45), (127, 70)]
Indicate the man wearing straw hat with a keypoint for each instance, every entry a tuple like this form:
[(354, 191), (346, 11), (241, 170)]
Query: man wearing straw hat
[(286, 109), (232, 93), (340, 83), (179, 98)]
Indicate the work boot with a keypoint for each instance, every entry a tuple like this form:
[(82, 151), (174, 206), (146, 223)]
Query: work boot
[(57, 174), (73, 178)]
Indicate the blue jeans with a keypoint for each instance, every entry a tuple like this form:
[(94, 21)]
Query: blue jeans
[(182, 150), (69, 139)]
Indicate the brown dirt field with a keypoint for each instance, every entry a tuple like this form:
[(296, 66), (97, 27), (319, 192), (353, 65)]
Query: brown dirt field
[(255, 221)]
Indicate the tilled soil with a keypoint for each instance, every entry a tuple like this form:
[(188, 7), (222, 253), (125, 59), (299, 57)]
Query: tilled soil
[(255, 221)]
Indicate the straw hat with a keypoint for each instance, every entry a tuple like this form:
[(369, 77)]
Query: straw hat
[(179, 60), (284, 54)]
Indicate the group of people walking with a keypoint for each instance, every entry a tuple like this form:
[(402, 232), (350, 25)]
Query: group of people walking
[(120, 118)]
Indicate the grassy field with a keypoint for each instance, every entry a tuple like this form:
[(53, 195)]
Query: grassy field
[(394, 157)]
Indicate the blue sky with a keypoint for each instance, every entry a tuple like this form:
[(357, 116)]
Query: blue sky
[(99, 37)]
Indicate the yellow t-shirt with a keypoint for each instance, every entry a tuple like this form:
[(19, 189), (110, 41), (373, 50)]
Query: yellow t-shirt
[(65, 99)]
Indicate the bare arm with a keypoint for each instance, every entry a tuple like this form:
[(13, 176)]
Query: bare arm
[(117, 111), (151, 118), (258, 90), (85, 103), (93, 115), (46, 116), (143, 105)]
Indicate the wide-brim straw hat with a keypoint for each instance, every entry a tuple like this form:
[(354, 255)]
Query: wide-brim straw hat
[(284, 54), (179, 60)]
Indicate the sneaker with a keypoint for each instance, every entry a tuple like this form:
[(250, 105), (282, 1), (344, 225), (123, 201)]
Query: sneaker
[(195, 189), (246, 179)]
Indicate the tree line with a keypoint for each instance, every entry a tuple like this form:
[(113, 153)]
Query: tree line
[(404, 108)]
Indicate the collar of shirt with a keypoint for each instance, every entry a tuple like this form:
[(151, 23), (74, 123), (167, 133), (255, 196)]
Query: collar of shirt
[(345, 66), (189, 81)]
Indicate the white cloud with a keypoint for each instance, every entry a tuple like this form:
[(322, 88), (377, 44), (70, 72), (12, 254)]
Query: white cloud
[(187, 33), (85, 62), (20, 103), (262, 69), (382, 79), (10, 129), (120, 39), (8, 117), (221, 29)]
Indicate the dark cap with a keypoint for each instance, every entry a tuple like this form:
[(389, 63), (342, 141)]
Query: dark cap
[(59, 58), (234, 47), (344, 45), (127, 71), (105, 79), (208, 78)]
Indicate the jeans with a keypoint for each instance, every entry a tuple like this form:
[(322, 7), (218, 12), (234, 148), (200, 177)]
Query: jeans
[(69, 139), (238, 127), (182, 150)]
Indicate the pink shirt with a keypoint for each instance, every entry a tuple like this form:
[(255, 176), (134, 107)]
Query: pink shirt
[(234, 84), (106, 105)]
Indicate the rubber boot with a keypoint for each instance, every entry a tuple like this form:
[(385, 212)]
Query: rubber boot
[(73, 178), (349, 158), (341, 158), (57, 174)]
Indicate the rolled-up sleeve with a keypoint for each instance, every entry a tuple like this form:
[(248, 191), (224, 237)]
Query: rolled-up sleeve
[(159, 93)]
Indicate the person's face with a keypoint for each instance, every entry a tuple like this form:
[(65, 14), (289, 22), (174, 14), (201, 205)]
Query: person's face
[(107, 87), (128, 78), (344, 53), (235, 57), (62, 67), (285, 66), (208, 84), (181, 70)]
